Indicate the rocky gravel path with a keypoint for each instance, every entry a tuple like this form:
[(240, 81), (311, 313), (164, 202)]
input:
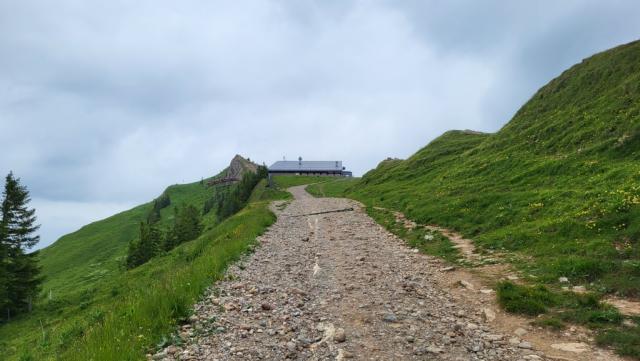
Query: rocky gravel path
[(334, 286)]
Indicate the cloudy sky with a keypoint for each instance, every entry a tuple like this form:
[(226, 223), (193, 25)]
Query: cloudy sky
[(105, 103)]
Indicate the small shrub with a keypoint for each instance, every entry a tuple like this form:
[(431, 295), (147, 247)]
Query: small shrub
[(588, 269), (70, 334), (550, 322), (610, 315), (525, 300), (55, 305), (626, 342)]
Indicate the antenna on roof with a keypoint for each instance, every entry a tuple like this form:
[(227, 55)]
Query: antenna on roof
[(300, 161)]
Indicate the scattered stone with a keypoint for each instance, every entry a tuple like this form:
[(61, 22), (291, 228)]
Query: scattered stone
[(493, 338), (171, 350), (579, 289), (342, 354), (575, 347), (291, 346), (466, 284), (339, 336), (447, 269), (390, 317), (520, 332), (488, 315), (563, 280), (266, 306), (525, 345)]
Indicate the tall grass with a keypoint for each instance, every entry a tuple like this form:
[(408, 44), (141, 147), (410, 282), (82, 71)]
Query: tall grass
[(160, 294)]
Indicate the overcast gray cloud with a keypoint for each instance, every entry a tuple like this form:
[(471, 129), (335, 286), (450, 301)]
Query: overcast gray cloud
[(103, 104)]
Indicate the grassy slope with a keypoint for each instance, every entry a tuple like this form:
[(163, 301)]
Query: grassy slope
[(84, 272), (157, 296), (79, 259), (560, 183)]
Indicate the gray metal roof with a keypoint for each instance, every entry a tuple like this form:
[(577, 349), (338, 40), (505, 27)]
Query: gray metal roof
[(306, 166)]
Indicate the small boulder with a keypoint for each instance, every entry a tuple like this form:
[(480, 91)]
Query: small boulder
[(488, 315), (525, 345), (339, 336), (266, 306), (389, 317), (520, 332), (466, 284), (575, 347)]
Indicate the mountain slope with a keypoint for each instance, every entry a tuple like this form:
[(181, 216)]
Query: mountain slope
[(87, 290), (560, 182), (95, 251)]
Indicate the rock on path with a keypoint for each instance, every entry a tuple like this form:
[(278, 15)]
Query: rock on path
[(336, 286)]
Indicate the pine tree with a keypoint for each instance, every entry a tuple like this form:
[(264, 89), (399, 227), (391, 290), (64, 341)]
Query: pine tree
[(4, 275), (187, 226), (20, 273), (145, 247)]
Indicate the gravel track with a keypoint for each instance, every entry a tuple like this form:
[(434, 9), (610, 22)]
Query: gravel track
[(337, 286)]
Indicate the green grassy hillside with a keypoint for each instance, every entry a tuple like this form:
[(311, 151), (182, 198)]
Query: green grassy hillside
[(79, 259), (559, 182), (93, 295), (558, 185)]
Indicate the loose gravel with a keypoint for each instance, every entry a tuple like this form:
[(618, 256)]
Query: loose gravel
[(335, 286)]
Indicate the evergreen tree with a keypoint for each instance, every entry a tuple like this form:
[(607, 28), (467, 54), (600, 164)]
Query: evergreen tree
[(4, 275), (159, 203), (229, 201), (145, 247), (19, 271), (187, 226), (154, 214)]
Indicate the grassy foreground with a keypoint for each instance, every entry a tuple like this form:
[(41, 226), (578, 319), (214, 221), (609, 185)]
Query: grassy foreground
[(156, 297)]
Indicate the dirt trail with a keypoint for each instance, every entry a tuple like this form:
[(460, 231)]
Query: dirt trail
[(336, 286)]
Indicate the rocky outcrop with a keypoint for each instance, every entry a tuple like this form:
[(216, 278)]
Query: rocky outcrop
[(236, 169), (239, 166)]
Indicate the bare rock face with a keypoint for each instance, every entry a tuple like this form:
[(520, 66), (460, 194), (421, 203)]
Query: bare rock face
[(239, 166)]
